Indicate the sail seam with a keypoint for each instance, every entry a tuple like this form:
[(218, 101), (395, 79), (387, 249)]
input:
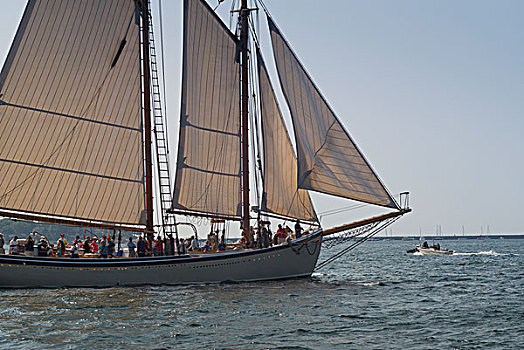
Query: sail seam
[(4, 103), (69, 171)]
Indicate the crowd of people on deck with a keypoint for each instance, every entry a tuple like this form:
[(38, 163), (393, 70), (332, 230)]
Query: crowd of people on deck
[(149, 245)]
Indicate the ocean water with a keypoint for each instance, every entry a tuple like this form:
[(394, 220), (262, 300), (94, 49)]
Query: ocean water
[(376, 297)]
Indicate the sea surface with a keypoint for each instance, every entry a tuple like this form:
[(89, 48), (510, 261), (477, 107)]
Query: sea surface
[(376, 297)]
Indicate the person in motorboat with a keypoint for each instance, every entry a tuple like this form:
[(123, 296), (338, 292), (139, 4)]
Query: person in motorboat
[(425, 245)]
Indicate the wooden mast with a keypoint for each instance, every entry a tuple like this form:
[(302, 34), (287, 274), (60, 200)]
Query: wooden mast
[(244, 13), (147, 117)]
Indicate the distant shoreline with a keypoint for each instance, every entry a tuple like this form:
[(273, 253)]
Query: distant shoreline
[(450, 238)]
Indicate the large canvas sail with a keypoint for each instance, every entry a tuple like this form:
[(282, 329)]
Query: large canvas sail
[(281, 194), (70, 113), (328, 159), (208, 163)]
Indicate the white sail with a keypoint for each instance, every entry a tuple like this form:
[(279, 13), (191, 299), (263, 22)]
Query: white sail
[(70, 113), (281, 194), (328, 159), (208, 163)]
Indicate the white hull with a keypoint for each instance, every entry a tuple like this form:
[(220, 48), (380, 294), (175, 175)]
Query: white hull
[(431, 251), (284, 261)]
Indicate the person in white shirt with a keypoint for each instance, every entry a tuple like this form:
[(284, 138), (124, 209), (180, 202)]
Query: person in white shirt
[(13, 246), (131, 246), (194, 244)]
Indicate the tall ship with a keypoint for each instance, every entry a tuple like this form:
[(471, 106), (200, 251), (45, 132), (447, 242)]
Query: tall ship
[(84, 142)]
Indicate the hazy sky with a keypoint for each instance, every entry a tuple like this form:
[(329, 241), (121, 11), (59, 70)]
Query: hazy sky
[(431, 91)]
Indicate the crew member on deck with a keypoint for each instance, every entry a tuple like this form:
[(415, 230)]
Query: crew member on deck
[(222, 246), (78, 241), (29, 245), (42, 247), (298, 230), (94, 245), (87, 245), (61, 245), (281, 235), (141, 247), (159, 246), (110, 247), (207, 247), (103, 250), (194, 244), (266, 237), (2, 242), (74, 251), (13, 246), (131, 247)]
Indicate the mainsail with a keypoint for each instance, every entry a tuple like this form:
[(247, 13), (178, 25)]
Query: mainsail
[(208, 162), (281, 194), (328, 159), (70, 113)]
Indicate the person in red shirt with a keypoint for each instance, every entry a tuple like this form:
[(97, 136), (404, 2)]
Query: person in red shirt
[(281, 234)]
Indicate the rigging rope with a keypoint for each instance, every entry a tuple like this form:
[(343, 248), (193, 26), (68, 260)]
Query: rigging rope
[(367, 232)]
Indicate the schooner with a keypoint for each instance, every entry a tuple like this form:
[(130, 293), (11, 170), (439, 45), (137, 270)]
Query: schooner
[(84, 143)]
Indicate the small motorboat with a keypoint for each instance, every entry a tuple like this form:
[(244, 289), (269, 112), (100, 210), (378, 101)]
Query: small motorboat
[(434, 251), (425, 249)]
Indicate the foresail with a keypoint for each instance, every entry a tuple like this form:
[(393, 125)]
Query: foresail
[(328, 159), (208, 163), (70, 113), (281, 194)]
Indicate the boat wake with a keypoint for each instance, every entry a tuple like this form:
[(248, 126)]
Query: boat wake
[(490, 252), (487, 253)]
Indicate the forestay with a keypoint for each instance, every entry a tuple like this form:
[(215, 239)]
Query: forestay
[(281, 194), (208, 163), (70, 113), (328, 159)]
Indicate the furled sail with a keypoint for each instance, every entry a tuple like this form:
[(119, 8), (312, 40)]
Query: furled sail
[(281, 194), (70, 113), (208, 163), (328, 159)]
